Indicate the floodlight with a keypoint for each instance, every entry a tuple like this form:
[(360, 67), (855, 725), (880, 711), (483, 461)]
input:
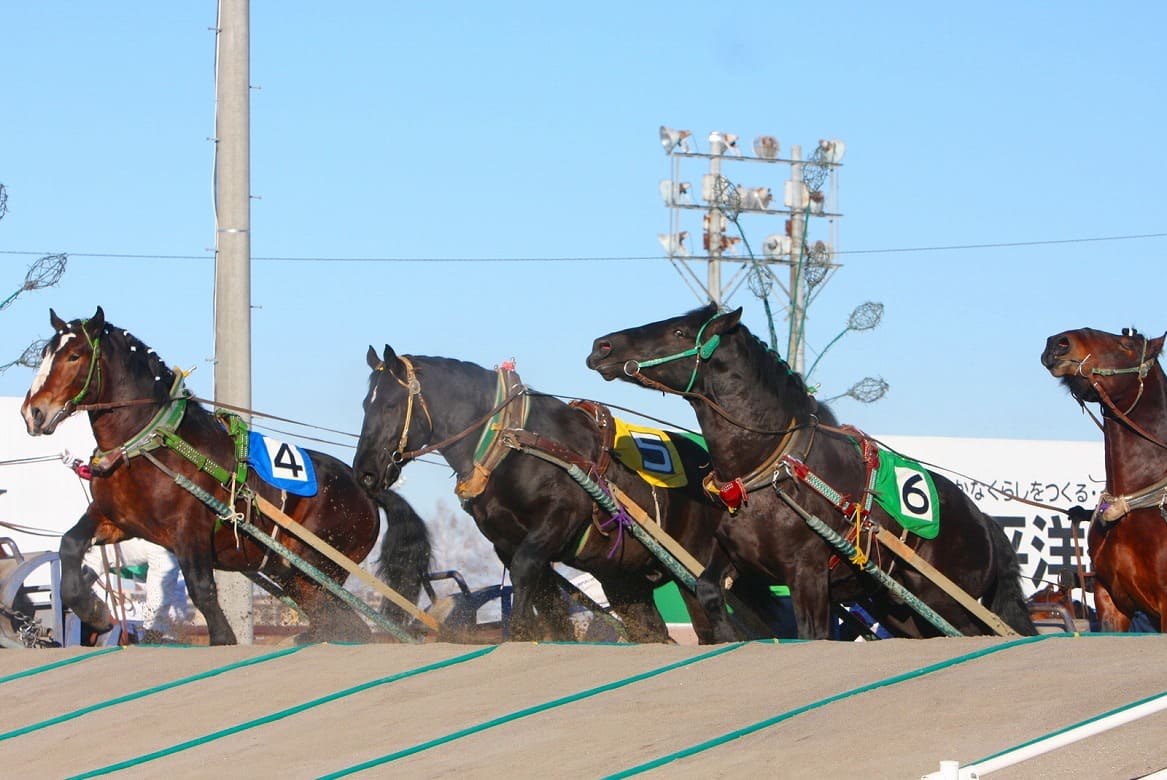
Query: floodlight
[(676, 193), (719, 143), (757, 198), (670, 139), (674, 244), (766, 147), (833, 150), (776, 246)]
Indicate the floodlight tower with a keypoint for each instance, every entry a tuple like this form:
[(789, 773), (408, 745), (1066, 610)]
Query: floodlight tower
[(809, 264)]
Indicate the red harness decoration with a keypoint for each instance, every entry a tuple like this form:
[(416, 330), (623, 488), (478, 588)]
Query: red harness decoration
[(850, 509), (732, 494)]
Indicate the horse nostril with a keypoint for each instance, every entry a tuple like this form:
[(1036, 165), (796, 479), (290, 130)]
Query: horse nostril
[(604, 347), (1063, 346)]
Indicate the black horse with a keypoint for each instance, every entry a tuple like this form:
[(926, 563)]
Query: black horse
[(152, 436), (765, 431), (532, 510)]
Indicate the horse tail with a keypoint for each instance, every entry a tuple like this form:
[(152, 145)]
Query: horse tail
[(1008, 600), (405, 553)]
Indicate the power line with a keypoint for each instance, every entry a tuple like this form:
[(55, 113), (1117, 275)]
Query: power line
[(548, 259)]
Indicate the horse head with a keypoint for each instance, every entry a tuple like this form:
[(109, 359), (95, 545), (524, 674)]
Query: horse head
[(667, 354), (69, 373), (389, 426), (1092, 362)]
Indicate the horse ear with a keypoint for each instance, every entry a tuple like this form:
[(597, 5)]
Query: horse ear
[(96, 323), (1155, 347), (727, 321), (389, 356), (373, 359), (57, 323)]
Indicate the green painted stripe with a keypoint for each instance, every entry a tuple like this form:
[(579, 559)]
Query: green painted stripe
[(59, 664), (146, 692), (280, 715), (763, 724), (1063, 730), (528, 711)]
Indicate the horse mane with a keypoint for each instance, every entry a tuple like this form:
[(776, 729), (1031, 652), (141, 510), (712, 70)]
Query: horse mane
[(775, 373), (142, 362)]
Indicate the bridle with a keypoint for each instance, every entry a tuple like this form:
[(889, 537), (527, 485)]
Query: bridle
[(400, 456), (701, 351), (1142, 368), (93, 374)]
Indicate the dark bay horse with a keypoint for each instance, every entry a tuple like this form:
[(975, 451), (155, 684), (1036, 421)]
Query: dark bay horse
[(765, 431), (531, 510), (137, 406), (1127, 539)]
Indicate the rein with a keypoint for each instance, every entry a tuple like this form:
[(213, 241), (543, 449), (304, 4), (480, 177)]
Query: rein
[(1121, 416)]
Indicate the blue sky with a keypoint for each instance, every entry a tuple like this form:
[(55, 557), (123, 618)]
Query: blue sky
[(390, 139)]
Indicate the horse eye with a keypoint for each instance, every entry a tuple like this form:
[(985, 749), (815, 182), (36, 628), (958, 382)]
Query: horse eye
[(679, 333), (74, 357)]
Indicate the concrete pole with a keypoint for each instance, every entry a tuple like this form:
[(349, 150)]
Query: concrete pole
[(713, 234), (233, 255), (795, 349)]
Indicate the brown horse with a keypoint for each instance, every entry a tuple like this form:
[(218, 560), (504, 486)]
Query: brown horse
[(1127, 539), (138, 407)]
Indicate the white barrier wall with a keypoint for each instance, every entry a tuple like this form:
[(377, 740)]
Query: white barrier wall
[(1059, 474), (42, 494)]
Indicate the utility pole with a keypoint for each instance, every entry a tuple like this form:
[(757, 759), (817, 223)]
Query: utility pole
[(233, 254), (795, 348)]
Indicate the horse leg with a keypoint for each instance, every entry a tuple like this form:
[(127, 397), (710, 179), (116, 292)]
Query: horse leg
[(551, 607), (76, 593), (530, 575), (630, 597), (709, 593), (329, 618), (200, 584), (812, 607), (1109, 618)]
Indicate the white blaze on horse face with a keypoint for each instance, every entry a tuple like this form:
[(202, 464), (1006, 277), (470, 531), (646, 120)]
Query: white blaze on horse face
[(46, 366)]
